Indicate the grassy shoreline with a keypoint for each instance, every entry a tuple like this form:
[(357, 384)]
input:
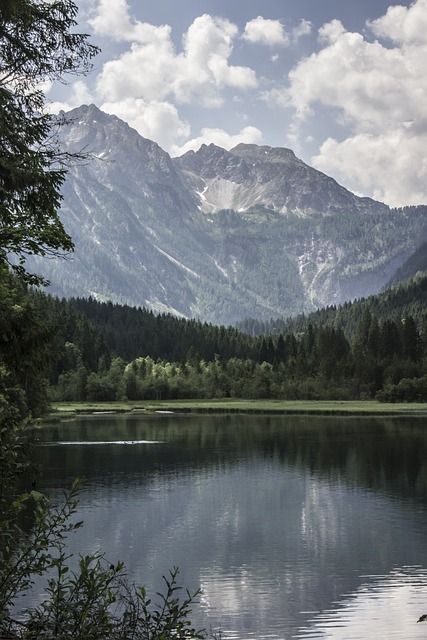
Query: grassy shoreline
[(64, 410)]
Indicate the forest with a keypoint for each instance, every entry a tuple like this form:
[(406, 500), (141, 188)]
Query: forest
[(84, 350)]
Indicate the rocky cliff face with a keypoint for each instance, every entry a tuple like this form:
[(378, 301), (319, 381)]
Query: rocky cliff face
[(215, 234)]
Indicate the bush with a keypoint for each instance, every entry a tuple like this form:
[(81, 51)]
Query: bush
[(407, 390)]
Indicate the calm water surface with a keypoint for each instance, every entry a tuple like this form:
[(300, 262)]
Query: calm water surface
[(293, 527)]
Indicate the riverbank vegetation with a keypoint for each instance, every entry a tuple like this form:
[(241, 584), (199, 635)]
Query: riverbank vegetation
[(66, 410)]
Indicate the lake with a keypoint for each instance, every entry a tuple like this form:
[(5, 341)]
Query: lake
[(292, 526)]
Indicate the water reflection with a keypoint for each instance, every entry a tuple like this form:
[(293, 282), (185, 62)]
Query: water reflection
[(277, 519), (380, 608), (379, 453)]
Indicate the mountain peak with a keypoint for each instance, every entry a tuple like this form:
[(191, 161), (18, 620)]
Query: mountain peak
[(269, 154), (86, 113), (251, 176)]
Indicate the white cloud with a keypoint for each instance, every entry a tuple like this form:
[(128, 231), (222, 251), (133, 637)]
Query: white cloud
[(331, 32), (248, 135), (379, 95), (368, 82), (151, 69), (80, 94), (265, 31), (208, 45), (272, 33), (145, 71), (403, 25), (303, 29), (112, 20), (157, 121), (392, 166)]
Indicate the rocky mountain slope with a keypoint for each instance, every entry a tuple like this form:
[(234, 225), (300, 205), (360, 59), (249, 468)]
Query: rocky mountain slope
[(215, 234)]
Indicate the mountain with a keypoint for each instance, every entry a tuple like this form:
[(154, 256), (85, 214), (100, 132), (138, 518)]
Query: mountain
[(415, 264), (214, 234)]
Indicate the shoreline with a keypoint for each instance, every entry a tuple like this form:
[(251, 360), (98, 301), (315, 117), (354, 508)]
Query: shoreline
[(69, 410)]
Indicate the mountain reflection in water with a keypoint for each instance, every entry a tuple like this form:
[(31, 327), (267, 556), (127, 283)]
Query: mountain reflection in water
[(278, 519)]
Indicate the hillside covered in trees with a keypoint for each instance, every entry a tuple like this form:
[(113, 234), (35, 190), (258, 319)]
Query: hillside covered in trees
[(372, 348)]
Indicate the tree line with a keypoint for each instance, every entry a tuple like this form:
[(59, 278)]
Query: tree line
[(102, 352), (65, 350), (317, 364)]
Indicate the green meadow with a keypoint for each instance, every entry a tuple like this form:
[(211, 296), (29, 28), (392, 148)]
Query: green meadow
[(62, 410)]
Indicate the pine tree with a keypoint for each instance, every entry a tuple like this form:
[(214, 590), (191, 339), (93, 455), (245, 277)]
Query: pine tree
[(38, 42)]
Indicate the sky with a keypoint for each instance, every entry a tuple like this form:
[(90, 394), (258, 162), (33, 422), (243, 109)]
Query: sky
[(343, 83)]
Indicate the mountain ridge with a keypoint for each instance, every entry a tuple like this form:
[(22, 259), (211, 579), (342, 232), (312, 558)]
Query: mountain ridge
[(274, 171), (217, 235)]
